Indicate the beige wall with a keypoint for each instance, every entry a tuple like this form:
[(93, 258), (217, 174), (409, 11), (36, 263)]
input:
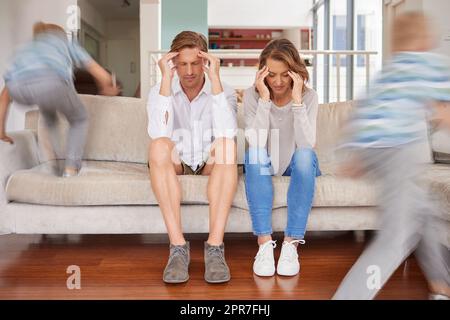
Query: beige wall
[(5, 36), (439, 10), (150, 38)]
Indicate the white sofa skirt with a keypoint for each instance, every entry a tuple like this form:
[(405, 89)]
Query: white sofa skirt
[(40, 219)]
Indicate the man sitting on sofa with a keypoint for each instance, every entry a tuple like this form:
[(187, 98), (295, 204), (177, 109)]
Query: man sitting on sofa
[(192, 124)]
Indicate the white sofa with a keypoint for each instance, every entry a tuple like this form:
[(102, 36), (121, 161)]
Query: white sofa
[(113, 193)]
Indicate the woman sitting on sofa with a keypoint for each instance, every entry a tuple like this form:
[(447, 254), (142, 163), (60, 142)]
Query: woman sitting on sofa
[(280, 122)]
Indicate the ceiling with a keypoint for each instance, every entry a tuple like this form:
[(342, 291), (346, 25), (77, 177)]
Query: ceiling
[(112, 9)]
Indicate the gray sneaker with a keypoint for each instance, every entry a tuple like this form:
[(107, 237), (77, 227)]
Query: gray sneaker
[(177, 269), (216, 268)]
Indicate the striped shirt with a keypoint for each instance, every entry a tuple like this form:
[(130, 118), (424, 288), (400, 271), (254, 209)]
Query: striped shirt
[(396, 109), (48, 51)]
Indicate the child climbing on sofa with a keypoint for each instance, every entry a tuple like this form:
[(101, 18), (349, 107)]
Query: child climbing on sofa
[(41, 73)]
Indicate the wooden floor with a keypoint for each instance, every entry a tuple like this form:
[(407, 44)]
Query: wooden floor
[(130, 267)]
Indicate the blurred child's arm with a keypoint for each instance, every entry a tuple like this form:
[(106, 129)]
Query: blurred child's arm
[(442, 114), (351, 168), (83, 60), (5, 100), (103, 78)]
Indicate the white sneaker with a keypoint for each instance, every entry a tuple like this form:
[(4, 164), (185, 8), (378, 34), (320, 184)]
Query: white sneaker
[(264, 265), (288, 264), (437, 296)]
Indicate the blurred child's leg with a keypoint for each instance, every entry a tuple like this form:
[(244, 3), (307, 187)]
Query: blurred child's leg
[(400, 198), (52, 94), (50, 120), (434, 257), (77, 117)]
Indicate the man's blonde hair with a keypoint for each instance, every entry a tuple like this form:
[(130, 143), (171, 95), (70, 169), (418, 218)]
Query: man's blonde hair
[(189, 39)]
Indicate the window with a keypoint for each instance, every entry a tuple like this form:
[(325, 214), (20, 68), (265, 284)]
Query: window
[(340, 37), (361, 38), (346, 25)]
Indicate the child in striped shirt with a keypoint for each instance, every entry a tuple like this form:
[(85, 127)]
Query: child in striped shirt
[(387, 133)]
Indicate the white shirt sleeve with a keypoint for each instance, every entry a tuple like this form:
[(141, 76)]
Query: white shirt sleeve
[(160, 114), (224, 112)]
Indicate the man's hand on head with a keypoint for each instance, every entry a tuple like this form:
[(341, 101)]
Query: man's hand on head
[(166, 64), (213, 71), (167, 68)]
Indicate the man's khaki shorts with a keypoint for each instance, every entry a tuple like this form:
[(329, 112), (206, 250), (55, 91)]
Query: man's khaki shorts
[(187, 170)]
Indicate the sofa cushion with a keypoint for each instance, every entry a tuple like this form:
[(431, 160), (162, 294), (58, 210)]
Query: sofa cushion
[(440, 142), (438, 176), (117, 131), (119, 183), (331, 119)]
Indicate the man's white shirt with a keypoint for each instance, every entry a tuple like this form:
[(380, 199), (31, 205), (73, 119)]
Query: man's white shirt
[(192, 125)]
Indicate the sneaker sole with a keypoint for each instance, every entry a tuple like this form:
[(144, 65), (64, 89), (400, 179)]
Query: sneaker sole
[(218, 281), (175, 281), (265, 275), (287, 274)]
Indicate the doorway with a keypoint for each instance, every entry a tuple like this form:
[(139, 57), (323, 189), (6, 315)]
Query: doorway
[(110, 32)]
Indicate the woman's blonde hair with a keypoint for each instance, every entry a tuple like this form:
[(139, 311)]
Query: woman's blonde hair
[(409, 30), (189, 39), (284, 50), (42, 27)]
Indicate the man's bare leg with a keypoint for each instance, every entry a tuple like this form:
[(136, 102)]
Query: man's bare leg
[(164, 167), (222, 185)]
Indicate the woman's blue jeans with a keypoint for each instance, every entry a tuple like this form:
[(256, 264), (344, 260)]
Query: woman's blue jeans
[(303, 170)]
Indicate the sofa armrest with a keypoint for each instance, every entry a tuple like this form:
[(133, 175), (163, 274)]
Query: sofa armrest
[(23, 154)]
